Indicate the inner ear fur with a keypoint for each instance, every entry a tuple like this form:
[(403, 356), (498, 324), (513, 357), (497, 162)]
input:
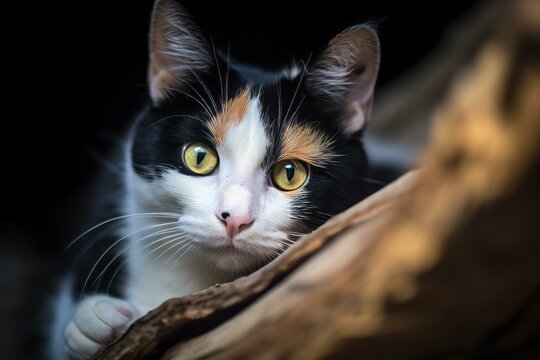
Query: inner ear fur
[(345, 73), (177, 49)]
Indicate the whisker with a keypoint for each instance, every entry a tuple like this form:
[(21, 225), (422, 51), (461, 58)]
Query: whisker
[(325, 214), (227, 75), (125, 262), (174, 116), (294, 233), (204, 106), (182, 255), (297, 108), (217, 65), (182, 239), (115, 243), (287, 241), (182, 245), (107, 230), (113, 277), (297, 88), (120, 253), (205, 88), (156, 214), (280, 101), (209, 110)]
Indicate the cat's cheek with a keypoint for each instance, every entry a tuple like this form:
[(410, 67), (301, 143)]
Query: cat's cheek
[(188, 190)]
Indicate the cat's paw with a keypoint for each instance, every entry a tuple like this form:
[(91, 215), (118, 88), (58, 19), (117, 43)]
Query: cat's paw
[(98, 321)]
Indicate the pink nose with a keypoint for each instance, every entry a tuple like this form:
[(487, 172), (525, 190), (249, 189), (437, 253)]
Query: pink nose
[(235, 223)]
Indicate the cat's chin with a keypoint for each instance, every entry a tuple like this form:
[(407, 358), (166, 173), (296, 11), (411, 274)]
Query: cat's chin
[(234, 259)]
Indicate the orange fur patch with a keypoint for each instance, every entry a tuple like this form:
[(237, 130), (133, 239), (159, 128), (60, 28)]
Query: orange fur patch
[(305, 143), (231, 114)]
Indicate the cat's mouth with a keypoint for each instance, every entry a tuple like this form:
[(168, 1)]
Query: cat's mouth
[(235, 248), (233, 257), (226, 247), (231, 249)]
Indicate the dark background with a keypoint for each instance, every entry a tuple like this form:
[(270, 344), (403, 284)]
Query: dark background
[(77, 78)]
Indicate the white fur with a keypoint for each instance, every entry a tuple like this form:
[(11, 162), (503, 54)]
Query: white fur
[(194, 252), (62, 309), (173, 256), (292, 71), (98, 321), (205, 257)]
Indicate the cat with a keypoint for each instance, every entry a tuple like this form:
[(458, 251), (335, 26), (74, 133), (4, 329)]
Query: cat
[(221, 172)]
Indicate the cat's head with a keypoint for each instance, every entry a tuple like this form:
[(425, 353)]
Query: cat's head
[(247, 160)]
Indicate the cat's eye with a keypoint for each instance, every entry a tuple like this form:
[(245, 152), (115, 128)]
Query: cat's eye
[(289, 175), (200, 159)]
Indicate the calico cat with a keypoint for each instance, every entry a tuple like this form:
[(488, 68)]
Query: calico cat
[(224, 168)]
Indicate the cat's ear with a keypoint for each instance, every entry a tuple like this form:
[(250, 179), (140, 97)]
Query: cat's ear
[(344, 75), (177, 49)]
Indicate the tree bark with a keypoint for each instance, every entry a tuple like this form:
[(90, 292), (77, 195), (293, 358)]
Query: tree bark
[(192, 315)]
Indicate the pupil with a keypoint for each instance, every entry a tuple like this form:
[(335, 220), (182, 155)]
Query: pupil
[(201, 154), (289, 172)]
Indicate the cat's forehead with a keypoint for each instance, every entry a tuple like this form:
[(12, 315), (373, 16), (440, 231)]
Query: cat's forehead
[(232, 113), (243, 124)]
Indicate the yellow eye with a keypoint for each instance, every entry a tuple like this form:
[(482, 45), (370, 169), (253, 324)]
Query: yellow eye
[(289, 175), (200, 158)]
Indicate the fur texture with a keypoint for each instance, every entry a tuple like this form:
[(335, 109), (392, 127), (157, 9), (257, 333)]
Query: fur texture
[(175, 232)]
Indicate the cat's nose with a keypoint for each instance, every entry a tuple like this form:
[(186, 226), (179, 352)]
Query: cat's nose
[(235, 222)]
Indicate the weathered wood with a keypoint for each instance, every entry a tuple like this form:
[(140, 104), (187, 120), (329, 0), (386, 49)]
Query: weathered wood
[(189, 316)]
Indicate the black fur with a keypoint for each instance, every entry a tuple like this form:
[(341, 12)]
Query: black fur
[(162, 130), (165, 126)]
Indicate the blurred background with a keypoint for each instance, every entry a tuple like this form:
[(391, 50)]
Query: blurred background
[(77, 78)]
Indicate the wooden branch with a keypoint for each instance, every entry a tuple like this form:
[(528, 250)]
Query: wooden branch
[(189, 316), (442, 264)]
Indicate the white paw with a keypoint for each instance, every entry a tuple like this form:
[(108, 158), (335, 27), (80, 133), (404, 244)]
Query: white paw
[(98, 321)]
